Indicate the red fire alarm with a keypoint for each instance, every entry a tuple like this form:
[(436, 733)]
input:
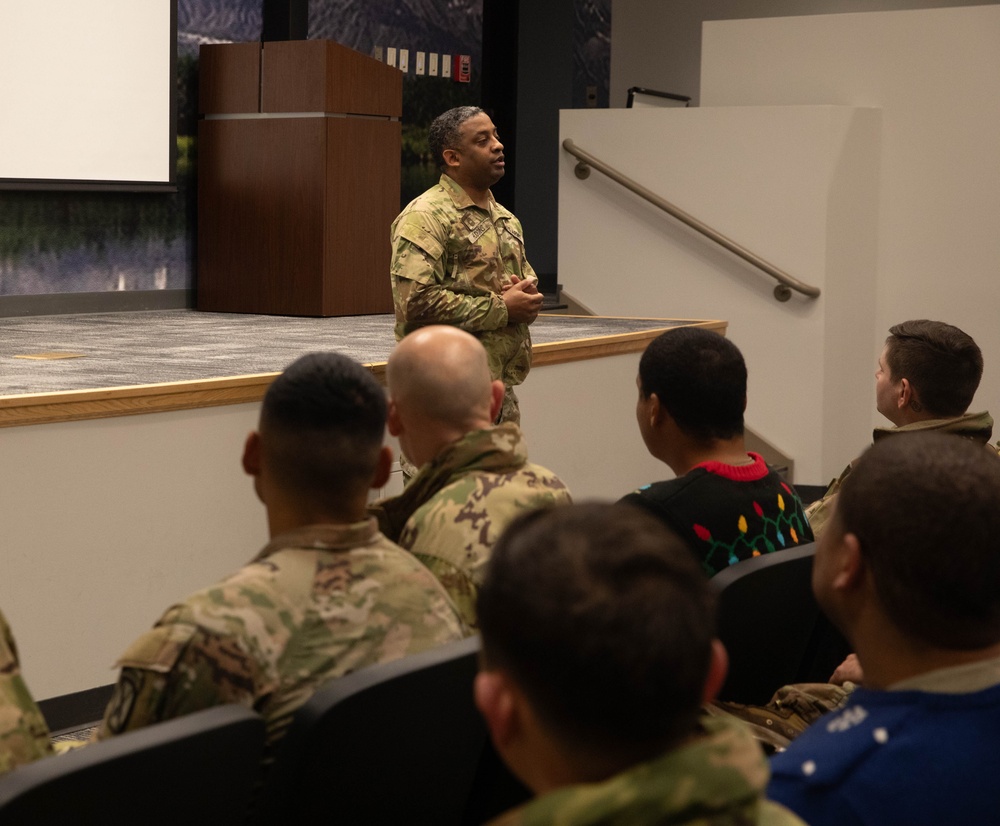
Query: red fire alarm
[(462, 68)]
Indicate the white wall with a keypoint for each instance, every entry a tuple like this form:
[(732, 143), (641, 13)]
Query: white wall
[(579, 421), (658, 44), (934, 75), (107, 523), (796, 185)]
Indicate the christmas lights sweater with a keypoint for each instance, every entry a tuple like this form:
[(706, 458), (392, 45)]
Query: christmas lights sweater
[(727, 513)]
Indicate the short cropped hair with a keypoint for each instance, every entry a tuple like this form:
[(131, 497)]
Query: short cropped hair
[(700, 379), (446, 131), (322, 424), (926, 512), (604, 619), (943, 364)]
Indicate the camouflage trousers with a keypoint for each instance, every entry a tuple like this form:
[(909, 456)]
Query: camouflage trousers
[(511, 409), (790, 711)]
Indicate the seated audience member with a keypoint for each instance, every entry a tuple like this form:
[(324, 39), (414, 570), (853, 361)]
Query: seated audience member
[(24, 736), (474, 477), (598, 649), (726, 503), (927, 375), (327, 595), (908, 569)]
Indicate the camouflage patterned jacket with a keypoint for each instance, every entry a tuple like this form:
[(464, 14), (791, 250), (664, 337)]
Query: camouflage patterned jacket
[(975, 426), (454, 509), (450, 261), (715, 780), (24, 736), (315, 603)]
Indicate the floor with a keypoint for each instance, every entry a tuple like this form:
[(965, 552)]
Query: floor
[(70, 738), (94, 350)]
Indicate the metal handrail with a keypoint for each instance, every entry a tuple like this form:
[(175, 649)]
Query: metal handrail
[(786, 282), (642, 90)]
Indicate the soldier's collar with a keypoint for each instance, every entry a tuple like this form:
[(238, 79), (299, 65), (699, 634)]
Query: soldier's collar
[(459, 195), (327, 537)]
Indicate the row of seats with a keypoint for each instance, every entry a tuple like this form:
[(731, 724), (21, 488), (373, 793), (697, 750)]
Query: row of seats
[(772, 627), (395, 743), (410, 725)]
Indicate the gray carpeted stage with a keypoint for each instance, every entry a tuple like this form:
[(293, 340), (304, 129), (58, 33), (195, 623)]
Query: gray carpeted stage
[(163, 346)]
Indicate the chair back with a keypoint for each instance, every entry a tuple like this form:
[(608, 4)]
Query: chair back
[(395, 743), (772, 628), (200, 768)]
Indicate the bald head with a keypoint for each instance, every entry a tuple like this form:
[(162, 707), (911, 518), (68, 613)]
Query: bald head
[(441, 373)]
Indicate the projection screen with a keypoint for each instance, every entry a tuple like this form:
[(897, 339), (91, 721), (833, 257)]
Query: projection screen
[(87, 94)]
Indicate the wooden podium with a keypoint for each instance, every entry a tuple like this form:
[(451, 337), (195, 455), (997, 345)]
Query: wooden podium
[(298, 178)]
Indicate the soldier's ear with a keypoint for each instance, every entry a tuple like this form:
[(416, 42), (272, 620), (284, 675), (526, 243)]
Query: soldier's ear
[(495, 701), (251, 454), (452, 157), (383, 467), (497, 391), (907, 397), (393, 420), (718, 667)]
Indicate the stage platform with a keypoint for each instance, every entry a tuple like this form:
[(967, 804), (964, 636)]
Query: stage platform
[(64, 368)]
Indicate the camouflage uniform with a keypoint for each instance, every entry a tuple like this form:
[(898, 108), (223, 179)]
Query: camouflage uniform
[(975, 426), (24, 736), (315, 603), (789, 712), (450, 261), (452, 512), (715, 780)]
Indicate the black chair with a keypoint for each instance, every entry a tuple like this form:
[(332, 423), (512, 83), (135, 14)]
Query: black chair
[(395, 743), (200, 768), (772, 627)]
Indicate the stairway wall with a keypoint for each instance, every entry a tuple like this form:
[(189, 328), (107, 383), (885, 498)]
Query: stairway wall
[(796, 185)]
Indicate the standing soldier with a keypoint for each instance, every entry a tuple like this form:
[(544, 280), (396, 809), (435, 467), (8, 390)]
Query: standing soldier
[(458, 256)]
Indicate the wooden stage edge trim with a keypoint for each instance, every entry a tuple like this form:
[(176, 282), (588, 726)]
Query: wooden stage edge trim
[(133, 400)]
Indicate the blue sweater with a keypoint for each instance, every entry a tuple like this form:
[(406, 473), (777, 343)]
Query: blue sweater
[(896, 758)]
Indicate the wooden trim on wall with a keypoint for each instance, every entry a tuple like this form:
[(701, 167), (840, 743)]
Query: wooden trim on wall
[(581, 349), (126, 301), (107, 402)]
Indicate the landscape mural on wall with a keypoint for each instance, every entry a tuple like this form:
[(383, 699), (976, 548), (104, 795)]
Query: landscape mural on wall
[(592, 52), (76, 242), (447, 27)]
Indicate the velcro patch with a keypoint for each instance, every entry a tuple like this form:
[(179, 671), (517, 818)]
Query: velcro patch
[(420, 237), (479, 230), (158, 649), (513, 232), (122, 702)]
